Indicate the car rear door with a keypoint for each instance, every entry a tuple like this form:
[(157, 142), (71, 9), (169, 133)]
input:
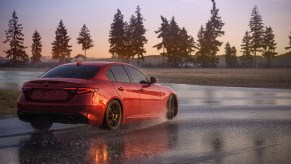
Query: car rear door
[(149, 95), (126, 90)]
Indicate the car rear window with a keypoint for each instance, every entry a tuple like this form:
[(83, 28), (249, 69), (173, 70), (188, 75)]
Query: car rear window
[(72, 71)]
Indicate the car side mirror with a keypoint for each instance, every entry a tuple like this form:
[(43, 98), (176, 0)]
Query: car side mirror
[(153, 80)]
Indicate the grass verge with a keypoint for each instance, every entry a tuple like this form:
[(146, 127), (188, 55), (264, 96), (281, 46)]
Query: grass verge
[(252, 78), (8, 101)]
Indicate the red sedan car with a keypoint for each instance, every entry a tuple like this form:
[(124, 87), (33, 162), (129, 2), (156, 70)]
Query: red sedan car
[(106, 94)]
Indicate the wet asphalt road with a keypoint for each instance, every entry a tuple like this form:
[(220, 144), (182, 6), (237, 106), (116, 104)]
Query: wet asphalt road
[(214, 125)]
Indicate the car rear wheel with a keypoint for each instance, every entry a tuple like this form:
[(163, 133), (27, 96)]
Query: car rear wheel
[(113, 115), (171, 107), (41, 123)]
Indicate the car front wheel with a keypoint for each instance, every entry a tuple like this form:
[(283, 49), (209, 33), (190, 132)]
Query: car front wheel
[(171, 107)]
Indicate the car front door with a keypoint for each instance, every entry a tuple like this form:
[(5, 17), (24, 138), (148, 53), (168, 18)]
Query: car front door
[(126, 90), (149, 95)]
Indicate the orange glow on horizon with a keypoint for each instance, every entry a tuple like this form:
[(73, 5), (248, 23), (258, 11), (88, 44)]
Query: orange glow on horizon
[(98, 16)]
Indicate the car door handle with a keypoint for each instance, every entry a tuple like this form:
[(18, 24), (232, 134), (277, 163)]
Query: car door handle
[(120, 89)]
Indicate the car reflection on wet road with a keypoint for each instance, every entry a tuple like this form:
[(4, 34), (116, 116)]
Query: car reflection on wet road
[(185, 139), (214, 125)]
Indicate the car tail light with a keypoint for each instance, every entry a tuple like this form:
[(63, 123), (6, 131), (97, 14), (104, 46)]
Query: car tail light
[(81, 90)]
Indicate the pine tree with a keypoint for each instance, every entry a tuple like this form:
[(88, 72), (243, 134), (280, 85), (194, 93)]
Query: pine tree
[(257, 32), (131, 43), (289, 47), (210, 45), (85, 39), (234, 57), (36, 48), (163, 32), (61, 49), (230, 56), (175, 41), (14, 36), (117, 37), (186, 46), (214, 28), (246, 59), (201, 56), (269, 46), (173, 48), (139, 36)]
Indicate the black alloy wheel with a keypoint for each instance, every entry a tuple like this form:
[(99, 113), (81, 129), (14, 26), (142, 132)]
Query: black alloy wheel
[(171, 107), (113, 115)]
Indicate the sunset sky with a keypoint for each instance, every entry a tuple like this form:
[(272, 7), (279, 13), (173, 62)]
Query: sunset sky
[(98, 15)]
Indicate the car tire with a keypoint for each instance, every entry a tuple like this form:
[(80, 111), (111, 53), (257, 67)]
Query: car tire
[(171, 107), (113, 115), (41, 123)]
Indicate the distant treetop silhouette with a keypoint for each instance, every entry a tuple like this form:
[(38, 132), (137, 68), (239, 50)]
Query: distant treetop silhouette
[(16, 53)]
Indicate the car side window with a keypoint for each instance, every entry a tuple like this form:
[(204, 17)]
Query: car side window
[(120, 74), (136, 75), (110, 75)]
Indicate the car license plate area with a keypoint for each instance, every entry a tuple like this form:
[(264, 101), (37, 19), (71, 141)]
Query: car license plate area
[(61, 95), (48, 95)]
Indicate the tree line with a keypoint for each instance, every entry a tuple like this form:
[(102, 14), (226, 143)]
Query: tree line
[(61, 49), (127, 40), (257, 39)]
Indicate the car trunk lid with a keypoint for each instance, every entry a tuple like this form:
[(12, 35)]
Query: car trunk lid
[(55, 89)]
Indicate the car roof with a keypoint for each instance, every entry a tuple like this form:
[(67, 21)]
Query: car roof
[(97, 63), (101, 64)]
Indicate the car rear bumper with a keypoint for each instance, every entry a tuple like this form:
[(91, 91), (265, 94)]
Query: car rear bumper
[(54, 117), (61, 113)]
